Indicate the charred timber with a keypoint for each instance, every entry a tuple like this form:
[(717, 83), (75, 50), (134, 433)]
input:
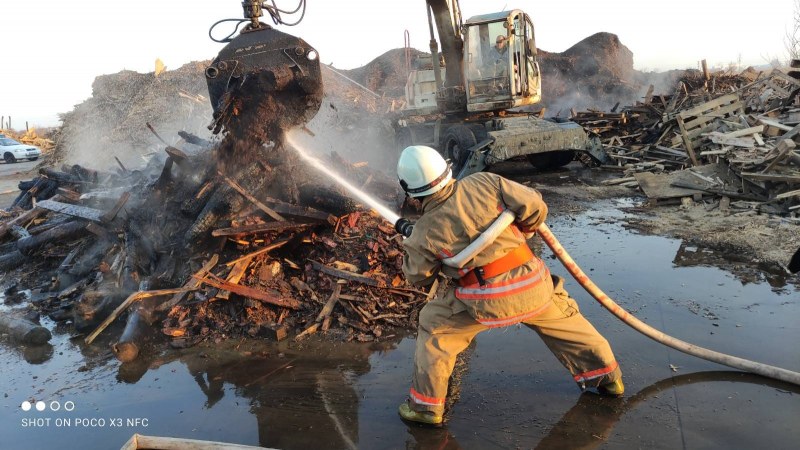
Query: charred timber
[(260, 228), (56, 175), (12, 260), (22, 330), (93, 306), (225, 200), (66, 232), (22, 219), (193, 139), (192, 206), (138, 329), (129, 273)]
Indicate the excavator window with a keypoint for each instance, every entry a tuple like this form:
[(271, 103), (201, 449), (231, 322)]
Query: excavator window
[(487, 61)]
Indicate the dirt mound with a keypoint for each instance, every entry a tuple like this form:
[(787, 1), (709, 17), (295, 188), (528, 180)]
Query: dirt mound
[(597, 72), (112, 121), (387, 74), (601, 54)]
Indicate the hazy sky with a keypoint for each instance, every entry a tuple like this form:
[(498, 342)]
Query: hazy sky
[(53, 49)]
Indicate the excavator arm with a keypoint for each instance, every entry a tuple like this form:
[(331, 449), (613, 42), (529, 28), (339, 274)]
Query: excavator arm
[(447, 16)]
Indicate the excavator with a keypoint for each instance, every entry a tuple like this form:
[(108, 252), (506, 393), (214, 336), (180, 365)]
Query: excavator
[(471, 109)]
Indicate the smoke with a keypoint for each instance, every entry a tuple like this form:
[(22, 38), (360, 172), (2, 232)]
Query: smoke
[(356, 134)]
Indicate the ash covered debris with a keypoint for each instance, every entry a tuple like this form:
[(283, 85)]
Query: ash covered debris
[(725, 140)]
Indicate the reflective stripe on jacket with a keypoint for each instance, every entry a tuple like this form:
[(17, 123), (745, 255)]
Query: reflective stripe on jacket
[(457, 215)]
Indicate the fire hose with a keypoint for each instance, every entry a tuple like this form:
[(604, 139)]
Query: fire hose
[(507, 217)]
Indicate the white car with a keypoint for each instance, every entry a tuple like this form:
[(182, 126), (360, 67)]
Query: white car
[(13, 150)]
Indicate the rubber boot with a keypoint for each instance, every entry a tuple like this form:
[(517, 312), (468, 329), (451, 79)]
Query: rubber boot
[(613, 389), (426, 418)]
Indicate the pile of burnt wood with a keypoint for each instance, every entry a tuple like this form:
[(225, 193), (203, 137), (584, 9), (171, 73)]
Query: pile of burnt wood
[(732, 137), (202, 250)]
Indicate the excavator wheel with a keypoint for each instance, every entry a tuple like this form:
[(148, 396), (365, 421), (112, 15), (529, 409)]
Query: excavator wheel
[(551, 160), (454, 145)]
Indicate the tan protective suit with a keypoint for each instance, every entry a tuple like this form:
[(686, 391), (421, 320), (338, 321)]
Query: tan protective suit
[(528, 294)]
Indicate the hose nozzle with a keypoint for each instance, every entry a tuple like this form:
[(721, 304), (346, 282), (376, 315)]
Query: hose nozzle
[(404, 227)]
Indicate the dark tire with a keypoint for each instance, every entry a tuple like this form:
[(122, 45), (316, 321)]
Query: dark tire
[(455, 143), (33, 159), (9, 158), (551, 160)]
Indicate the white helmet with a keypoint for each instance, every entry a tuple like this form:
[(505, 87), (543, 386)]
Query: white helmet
[(422, 171)]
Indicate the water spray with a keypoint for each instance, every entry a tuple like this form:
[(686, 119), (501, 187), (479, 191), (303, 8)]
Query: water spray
[(549, 238), (402, 225), (381, 209)]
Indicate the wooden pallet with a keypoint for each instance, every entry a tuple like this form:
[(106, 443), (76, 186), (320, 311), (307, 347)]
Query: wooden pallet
[(700, 119)]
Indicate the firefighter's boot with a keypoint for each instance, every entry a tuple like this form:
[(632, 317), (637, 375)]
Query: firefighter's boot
[(613, 389), (426, 417)]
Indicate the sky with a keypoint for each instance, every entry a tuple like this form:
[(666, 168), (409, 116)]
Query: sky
[(53, 49)]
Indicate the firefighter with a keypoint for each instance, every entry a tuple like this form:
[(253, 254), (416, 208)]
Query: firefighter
[(505, 284)]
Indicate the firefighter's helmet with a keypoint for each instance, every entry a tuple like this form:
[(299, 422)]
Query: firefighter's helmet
[(422, 171)]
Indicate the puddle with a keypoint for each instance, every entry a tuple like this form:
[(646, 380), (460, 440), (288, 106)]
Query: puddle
[(515, 394)]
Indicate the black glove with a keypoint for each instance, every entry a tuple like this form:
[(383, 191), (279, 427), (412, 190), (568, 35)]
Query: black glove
[(404, 227)]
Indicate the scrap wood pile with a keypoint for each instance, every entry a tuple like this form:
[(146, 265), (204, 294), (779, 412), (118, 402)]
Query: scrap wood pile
[(201, 250), (728, 137), (31, 137)]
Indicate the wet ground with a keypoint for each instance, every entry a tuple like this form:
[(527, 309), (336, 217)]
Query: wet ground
[(11, 175), (514, 394)]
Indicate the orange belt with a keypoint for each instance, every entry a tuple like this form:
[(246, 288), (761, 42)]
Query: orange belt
[(511, 260)]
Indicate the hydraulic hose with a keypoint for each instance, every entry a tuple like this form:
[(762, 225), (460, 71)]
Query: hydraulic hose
[(654, 334)]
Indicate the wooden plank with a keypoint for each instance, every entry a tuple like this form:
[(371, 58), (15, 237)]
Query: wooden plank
[(792, 179), (779, 74), (686, 142), (792, 133), (704, 107), (687, 184), (270, 212), (663, 186), (249, 292), (773, 123), (83, 212), (659, 186), (272, 246), (721, 139), (112, 213), (139, 441), (745, 132), (784, 148), (260, 228), (346, 275), (795, 193), (125, 304), (189, 285), (782, 93), (235, 276), (300, 211), (709, 117), (672, 151)]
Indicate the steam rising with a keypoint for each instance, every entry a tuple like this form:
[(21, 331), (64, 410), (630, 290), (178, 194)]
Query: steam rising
[(112, 122)]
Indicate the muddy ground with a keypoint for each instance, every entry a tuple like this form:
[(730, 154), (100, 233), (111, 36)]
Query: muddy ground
[(702, 281)]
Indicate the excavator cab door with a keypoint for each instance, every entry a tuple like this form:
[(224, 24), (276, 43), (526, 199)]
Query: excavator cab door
[(500, 69), (532, 89), (486, 66)]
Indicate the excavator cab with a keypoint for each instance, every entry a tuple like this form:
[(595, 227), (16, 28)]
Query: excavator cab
[(500, 67)]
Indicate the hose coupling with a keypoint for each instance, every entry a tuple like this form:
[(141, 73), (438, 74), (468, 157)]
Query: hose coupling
[(404, 227)]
